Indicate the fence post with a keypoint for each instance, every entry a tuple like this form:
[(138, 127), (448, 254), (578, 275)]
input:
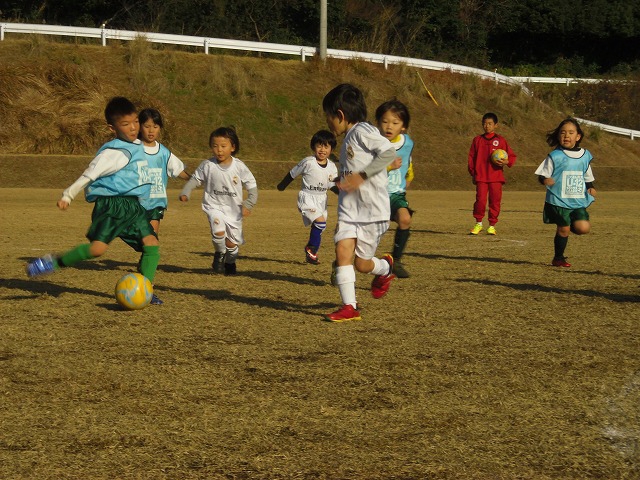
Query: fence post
[(206, 46), (1, 31), (103, 35), (385, 62), (302, 54), (631, 134)]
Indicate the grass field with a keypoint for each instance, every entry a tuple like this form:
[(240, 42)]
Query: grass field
[(487, 363)]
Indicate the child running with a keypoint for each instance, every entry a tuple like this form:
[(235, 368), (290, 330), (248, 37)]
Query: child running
[(114, 181), (487, 176), (363, 201), (224, 176), (566, 172), (162, 165), (318, 175), (393, 119)]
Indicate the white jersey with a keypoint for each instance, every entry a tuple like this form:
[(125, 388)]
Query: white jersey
[(223, 185), (316, 178), (369, 203)]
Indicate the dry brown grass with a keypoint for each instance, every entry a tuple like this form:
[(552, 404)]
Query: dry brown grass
[(486, 364), (53, 96)]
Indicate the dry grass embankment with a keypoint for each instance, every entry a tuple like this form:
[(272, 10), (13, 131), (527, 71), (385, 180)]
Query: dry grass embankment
[(53, 96)]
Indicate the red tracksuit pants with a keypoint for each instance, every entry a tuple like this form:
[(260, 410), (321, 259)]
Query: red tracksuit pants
[(494, 191)]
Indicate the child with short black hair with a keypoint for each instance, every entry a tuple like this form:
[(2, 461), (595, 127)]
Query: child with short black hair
[(393, 120), (363, 201), (162, 165), (114, 181), (487, 176), (319, 174), (566, 172), (224, 176)]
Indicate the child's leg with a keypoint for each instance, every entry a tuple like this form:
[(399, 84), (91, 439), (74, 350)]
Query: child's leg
[(559, 245), (581, 227), (403, 219), (315, 234), (150, 257), (480, 205), (345, 273), (82, 252), (495, 200)]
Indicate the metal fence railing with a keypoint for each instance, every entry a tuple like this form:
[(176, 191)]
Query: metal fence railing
[(207, 43)]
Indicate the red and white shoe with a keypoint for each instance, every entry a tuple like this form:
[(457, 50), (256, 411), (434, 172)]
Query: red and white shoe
[(560, 262), (312, 257), (381, 283), (345, 313)]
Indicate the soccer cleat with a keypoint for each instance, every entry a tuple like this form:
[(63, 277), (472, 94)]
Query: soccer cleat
[(230, 268), (399, 270), (312, 256), (491, 230), (41, 266), (155, 300), (560, 262), (345, 313), (477, 228), (218, 262), (333, 274), (381, 283)]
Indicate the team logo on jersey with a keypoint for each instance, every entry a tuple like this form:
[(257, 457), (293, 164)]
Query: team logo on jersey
[(495, 142), (350, 153), (235, 180), (332, 177)]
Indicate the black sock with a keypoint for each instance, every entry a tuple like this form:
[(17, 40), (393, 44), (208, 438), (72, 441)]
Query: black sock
[(400, 241), (559, 245)]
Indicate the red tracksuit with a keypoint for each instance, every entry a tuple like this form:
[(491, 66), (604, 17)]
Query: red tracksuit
[(487, 176)]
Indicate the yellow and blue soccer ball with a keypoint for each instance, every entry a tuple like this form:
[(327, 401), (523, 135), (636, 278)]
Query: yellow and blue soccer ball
[(134, 291), (499, 157)]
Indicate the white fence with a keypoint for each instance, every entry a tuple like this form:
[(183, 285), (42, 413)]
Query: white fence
[(206, 43)]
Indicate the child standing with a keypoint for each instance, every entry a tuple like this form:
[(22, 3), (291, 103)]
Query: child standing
[(487, 176), (363, 201), (114, 181), (224, 176), (162, 165), (393, 121), (318, 175), (566, 172)]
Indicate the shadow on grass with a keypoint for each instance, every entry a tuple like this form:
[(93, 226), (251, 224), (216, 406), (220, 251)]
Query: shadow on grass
[(253, 301), (528, 287), (40, 287)]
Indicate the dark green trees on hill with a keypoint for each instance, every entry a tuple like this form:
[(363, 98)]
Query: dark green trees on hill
[(580, 38)]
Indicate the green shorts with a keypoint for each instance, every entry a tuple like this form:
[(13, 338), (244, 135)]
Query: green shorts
[(119, 217), (563, 217), (398, 201), (156, 213)]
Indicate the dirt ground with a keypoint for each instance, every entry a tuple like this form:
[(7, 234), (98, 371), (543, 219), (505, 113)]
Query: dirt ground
[(487, 363)]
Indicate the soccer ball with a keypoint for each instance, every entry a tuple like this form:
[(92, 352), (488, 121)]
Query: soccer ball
[(499, 157), (134, 291)]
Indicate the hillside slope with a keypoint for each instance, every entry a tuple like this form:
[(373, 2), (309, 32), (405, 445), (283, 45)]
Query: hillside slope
[(53, 96)]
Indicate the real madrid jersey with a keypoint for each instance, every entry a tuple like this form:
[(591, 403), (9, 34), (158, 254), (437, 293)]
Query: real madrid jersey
[(223, 184), (369, 203), (316, 178)]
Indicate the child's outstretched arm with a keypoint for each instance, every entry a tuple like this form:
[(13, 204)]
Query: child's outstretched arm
[(353, 181), (188, 188), (284, 183), (250, 202)]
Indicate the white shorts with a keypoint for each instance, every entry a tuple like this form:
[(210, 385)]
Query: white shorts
[(311, 207), (231, 226), (367, 236)]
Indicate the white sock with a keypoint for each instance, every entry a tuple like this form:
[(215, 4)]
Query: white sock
[(219, 243), (231, 255), (380, 267), (346, 281)]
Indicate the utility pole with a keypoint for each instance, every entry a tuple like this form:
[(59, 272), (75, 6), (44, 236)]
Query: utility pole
[(323, 30)]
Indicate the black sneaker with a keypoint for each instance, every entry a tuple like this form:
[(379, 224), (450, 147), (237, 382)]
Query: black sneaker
[(399, 270), (229, 268), (155, 300), (218, 263)]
